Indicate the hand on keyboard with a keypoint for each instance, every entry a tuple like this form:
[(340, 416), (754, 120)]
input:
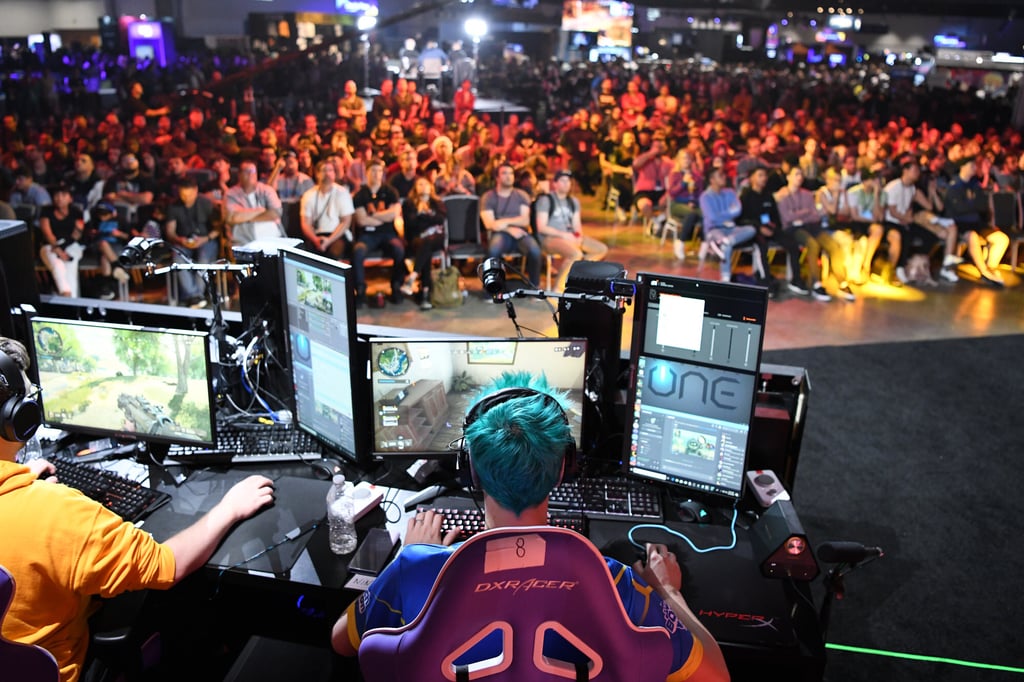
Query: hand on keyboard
[(425, 528), (43, 469)]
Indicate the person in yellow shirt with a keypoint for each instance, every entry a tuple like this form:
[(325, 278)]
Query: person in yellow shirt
[(63, 548)]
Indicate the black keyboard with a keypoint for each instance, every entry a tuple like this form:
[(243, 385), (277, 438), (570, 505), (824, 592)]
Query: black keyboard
[(609, 498), (123, 496), (253, 444), (471, 520)]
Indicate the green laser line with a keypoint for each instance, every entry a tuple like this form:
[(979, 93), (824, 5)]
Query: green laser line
[(920, 657)]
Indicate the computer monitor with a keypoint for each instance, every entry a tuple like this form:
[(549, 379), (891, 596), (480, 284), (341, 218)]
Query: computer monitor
[(693, 381), (321, 322), (124, 381), (423, 388)]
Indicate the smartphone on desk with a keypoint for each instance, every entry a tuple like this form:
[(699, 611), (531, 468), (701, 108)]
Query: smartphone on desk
[(373, 552)]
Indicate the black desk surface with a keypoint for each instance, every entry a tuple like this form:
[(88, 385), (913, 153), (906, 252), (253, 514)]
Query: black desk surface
[(761, 623)]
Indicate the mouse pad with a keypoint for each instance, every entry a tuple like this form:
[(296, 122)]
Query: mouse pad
[(724, 588), (298, 502)]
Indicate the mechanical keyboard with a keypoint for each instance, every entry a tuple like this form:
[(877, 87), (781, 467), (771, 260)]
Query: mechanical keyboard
[(471, 520), (252, 444), (123, 496), (609, 498)]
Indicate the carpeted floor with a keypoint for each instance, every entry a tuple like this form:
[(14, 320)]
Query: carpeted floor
[(916, 448)]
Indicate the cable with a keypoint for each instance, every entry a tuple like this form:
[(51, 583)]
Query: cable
[(922, 657), (287, 538), (695, 548)]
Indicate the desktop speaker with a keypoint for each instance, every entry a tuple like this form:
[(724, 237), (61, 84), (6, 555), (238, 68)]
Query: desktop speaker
[(780, 544), (778, 426), (766, 487)]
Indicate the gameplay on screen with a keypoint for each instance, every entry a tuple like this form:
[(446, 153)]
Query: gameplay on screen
[(423, 388), (124, 380)]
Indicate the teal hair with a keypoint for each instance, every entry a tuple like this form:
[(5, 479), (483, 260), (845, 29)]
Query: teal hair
[(518, 446)]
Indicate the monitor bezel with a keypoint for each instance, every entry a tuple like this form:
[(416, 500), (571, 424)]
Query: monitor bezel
[(754, 295), (414, 454), (359, 393), (121, 434)]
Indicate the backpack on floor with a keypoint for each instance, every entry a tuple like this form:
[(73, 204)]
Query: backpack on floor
[(446, 291)]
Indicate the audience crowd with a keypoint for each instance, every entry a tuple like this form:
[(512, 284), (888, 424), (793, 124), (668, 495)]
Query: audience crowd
[(217, 150)]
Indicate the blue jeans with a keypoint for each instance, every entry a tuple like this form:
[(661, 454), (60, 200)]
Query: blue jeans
[(728, 238), (191, 284), (502, 243)]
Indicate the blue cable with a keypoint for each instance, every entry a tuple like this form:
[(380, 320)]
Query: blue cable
[(695, 548)]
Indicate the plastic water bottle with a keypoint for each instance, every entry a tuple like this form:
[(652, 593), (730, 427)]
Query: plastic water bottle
[(341, 516)]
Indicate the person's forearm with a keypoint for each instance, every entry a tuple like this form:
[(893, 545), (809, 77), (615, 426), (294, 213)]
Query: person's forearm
[(194, 546), (713, 665)]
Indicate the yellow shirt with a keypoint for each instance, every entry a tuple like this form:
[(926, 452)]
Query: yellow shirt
[(62, 549)]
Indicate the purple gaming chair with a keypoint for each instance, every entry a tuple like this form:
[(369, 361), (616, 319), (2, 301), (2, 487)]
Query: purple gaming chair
[(522, 583), (22, 661)]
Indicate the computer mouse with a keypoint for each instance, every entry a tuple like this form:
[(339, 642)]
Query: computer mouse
[(326, 468), (692, 511)]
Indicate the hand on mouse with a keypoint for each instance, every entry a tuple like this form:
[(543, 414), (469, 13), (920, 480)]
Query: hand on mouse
[(248, 496), (425, 529), (662, 570)]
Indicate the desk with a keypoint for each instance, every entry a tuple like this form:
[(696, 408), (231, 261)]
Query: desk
[(762, 624)]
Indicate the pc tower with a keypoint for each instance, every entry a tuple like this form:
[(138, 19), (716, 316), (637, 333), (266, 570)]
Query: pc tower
[(601, 324)]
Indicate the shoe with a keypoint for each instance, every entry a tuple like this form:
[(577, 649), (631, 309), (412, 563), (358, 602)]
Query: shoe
[(901, 274), (948, 274), (846, 293), (716, 249), (679, 249), (120, 275), (819, 293), (798, 287), (994, 283), (425, 304), (951, 260), (408, 286), (396, 297), (198, 303), (620, 215), (107, 295)]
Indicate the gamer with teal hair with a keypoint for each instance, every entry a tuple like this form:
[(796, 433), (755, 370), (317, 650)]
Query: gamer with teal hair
[(517, 440)]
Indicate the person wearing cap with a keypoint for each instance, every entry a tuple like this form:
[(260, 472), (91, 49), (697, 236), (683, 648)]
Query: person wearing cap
[(27, 191), (560, 228), (190, 227), (967, 203)]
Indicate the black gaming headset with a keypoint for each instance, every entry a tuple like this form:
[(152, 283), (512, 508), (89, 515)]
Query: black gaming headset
[(19, 416), (467, 475)]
